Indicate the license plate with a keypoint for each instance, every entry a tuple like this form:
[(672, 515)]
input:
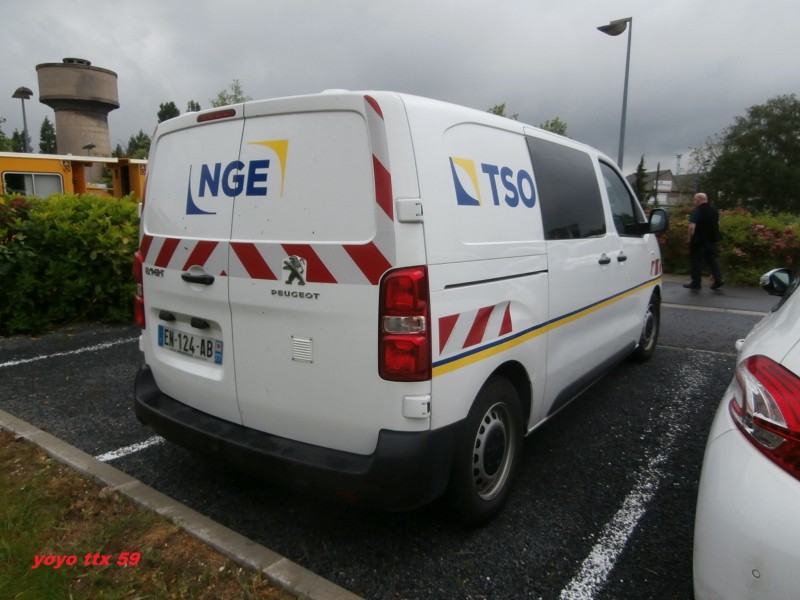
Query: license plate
[(196, 346)]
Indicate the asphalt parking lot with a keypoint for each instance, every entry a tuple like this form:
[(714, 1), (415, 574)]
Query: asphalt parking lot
[(603, 507)]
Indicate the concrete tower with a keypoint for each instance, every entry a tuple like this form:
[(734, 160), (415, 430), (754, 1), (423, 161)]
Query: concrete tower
[(81, 96)]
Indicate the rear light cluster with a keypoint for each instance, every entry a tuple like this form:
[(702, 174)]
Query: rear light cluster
[(766, 407), (138, 277), (404, 325)]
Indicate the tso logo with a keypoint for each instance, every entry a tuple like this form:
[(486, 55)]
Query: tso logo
[(236, 177), (515, 186)]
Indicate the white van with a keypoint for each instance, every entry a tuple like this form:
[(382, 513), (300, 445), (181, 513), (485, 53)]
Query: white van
[(378, 295)]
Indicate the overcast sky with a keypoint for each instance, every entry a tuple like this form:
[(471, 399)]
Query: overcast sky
[(695, 64)]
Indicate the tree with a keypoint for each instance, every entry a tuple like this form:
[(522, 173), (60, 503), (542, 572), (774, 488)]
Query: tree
[(5, 143), (192, 106), (703, 158), (138, 147), (555, 125), (18, 142), (759, 161), (640, 182), (500, 110), (234, 95), (167, 110), (47, 137)]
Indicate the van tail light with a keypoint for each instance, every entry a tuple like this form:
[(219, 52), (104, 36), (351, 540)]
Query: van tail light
[(766, 408), (215, 115), (404, 325), (138, 301)]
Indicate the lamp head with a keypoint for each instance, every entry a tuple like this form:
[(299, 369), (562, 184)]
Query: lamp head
[(615, 27), (23, 93)]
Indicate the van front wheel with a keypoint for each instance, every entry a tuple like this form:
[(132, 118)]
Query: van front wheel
[(487, 454)]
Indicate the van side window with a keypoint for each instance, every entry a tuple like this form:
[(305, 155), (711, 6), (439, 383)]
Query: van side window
[(628, 215), (569, 195)]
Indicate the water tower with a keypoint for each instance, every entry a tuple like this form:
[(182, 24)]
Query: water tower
[(81, 96)]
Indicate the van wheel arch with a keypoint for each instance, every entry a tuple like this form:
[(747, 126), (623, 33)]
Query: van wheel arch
[(518, 376)]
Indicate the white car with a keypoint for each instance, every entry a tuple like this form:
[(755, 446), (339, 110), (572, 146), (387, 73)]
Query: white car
[(747, 526)]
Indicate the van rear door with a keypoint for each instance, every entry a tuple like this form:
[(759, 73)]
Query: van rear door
[(186, 224), (308, 247)]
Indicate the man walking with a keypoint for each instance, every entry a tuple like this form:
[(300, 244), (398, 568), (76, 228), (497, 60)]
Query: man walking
[(703, 238)]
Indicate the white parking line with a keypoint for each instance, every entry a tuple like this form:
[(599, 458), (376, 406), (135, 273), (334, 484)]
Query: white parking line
[(120, 452), (95, 348), (731, 311), (595, 569)]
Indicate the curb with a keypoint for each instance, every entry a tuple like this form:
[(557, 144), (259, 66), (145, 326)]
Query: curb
[(278, 570)]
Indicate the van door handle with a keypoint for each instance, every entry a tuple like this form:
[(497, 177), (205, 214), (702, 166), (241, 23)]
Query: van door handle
[(621, 257), (202, 279), (604, 260)]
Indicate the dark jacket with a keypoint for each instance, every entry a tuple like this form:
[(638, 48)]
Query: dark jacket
[(706, 224)]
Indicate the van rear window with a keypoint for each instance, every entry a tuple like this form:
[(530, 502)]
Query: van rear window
[(569, 194), (293, 177), (309, 179)]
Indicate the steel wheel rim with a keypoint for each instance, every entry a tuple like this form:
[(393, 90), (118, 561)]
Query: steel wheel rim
[(493, 451), (649, 329)]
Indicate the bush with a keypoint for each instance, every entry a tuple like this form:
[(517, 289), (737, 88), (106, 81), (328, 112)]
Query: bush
[(751, 244), (65, 259)]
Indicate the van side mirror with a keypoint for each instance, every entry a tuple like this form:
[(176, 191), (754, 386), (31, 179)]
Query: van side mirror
[(776, 282), (659, 220)]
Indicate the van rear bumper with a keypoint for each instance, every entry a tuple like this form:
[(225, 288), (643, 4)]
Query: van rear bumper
[(407, 470)]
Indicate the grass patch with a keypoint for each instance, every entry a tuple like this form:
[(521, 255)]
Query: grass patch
[(92, 542)]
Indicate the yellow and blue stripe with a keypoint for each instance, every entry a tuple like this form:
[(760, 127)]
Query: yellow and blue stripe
[(469, 357)]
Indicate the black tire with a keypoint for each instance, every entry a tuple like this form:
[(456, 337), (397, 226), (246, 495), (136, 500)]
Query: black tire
[(487, 455), (650, 328)]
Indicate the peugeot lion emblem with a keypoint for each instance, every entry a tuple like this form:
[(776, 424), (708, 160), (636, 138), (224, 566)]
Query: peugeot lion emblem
[(296, 267)]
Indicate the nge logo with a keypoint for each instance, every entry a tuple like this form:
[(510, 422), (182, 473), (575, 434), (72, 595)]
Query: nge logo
[(235, 178), (516, 186)]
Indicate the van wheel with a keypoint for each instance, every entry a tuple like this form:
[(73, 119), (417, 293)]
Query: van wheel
[(650, 328), (487, 454)]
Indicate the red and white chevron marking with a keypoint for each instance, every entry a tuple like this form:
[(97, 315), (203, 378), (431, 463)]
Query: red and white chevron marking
[(384, 196), (178, 254), (325, 263), (461, 331), (380, 156)]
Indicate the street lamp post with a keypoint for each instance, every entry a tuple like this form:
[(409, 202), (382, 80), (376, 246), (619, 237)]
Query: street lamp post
[(616, 28), (23, 94)]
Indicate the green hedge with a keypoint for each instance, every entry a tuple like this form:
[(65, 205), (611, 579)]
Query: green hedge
[(751, 244), (65, 259)]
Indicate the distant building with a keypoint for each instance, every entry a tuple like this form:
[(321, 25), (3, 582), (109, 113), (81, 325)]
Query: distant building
[(662, 188), (81, 96)]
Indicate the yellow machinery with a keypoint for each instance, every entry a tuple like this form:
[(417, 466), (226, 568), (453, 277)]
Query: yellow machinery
[(44, 174)]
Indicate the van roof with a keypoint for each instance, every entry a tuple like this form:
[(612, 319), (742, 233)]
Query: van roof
[(466, 113)]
